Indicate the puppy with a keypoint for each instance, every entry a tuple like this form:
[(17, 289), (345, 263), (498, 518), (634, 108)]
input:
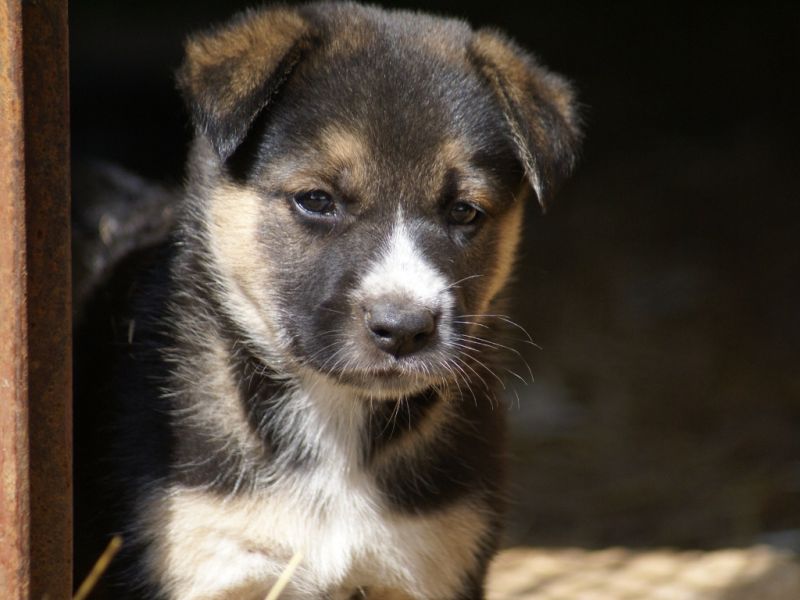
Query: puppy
[(307, 363)]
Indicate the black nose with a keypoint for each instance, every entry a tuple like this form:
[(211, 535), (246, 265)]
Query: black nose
[(400, 329)]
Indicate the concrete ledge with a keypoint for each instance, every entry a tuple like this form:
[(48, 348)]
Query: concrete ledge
[(757, 573)]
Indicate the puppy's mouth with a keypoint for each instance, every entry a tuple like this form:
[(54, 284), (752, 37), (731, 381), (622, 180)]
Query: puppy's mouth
[(361, 364), (385, 382)]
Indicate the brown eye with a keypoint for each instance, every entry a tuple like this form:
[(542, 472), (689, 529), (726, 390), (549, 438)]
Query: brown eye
[(463, 213), (316, 202)]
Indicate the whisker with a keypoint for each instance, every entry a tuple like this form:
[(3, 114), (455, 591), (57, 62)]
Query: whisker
[(517, 375), (478, 375), (476, 324), (490, 343), (485, 366), (505, 319), (495, 345), (465, 379), (468, 277), (517, 397)]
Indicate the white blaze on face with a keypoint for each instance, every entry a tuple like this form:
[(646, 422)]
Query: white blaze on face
[(402, 272)]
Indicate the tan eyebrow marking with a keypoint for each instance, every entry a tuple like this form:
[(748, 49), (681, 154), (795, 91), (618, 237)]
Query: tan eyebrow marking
[(336, 157)]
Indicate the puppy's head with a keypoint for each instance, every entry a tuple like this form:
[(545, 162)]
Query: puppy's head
[(358, 180)]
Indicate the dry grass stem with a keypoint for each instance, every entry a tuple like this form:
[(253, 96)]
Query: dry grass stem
[(283, 580), (98, 569)]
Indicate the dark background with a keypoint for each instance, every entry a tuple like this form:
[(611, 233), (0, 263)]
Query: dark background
[(663, 287)]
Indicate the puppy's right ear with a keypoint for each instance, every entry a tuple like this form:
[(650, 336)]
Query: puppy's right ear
[(230, 74)]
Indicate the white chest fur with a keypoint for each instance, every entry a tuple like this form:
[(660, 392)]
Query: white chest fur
[(205, 546)]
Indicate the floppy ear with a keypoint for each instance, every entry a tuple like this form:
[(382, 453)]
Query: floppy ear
[(539, 108), (230, 74)]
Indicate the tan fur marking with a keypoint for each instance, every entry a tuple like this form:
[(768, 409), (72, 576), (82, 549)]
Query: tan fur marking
[(235, 215), (508, 236), (203, 547), (452, 153), (343, 147), (249, 50), (456, 154), (337, 157), (529, 95), (521, 72), (235, 219)]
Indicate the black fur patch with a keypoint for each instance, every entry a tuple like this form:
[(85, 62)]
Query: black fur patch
[(466, 460), (390, 421)]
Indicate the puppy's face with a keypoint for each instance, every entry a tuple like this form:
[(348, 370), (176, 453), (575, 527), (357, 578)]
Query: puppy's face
[(369, 215)]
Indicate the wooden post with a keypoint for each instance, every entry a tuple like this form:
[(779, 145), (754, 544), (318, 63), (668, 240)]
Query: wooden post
[(35, 307), (14, 483)]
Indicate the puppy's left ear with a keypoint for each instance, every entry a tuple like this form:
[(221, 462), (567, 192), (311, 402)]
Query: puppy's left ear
[(230, 74), (539, 108)]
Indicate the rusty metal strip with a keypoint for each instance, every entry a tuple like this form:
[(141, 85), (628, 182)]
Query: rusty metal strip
[(14, 485), (47, 183), (35, 324)]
